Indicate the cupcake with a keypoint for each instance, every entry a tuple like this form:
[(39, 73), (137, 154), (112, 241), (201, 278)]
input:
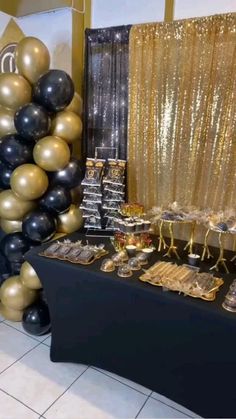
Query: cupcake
[(147, 225)]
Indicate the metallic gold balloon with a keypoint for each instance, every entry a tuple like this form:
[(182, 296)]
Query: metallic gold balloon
[(6, 121), (28, 277), (15, 91), (13, 208), (32, 58), (76, 105), (10, 314), (67, 125), (11, 226), (76, 195), (15, 295), (70, 221), (29, 182), (51, 153)]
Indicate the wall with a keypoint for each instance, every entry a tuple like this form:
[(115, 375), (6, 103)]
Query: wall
[(54, 29), (122, 12), (192, 8)]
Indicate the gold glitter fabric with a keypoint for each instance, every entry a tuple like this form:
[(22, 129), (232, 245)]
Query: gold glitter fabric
[(182, 113)]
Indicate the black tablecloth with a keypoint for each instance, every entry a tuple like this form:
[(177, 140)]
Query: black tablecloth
[(181, 347)]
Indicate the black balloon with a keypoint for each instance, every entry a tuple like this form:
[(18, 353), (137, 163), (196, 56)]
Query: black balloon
[(15, 151), (14, 246), (54, 90), (70, 176), (39, 226), (5, 175), (56, 200), (32, 121), (36, 319), (5, 270)]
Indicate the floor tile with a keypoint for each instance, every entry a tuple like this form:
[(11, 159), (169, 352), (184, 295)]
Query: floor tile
[(18, 326), (12, 409), (47, 341), (154, 409), (173, 404), (36, 381), (13, 345), (95, 395), (129, 383)]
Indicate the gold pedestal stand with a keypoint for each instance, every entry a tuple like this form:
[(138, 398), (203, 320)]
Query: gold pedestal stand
[(206, 250), (221, 260), (172, 248)]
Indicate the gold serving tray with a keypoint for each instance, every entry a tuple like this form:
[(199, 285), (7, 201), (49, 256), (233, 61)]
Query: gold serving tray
[(65, 259), (169, 268)]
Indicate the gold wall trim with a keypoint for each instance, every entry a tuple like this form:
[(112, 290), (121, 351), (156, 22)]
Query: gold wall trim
[(169, 10), (19, 8)]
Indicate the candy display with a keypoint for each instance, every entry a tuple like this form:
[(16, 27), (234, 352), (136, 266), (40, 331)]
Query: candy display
[(75, 252), (103, 190), (183, 279)]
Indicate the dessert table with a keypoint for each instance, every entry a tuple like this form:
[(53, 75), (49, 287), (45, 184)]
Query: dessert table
[(178, 346)]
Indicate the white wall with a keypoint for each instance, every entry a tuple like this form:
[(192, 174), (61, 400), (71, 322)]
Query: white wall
[(54, 29), (107, 13), (194, 8)]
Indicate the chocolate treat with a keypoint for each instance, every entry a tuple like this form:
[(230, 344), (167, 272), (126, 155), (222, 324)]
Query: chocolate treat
[(93, 174), (139, 226), (147, 225), (130, 227), (125, 271), (92, 198), (115, 172), (52, 249), (95, 190), (107, 265), (73, 254), (63, 250), (86, 256)]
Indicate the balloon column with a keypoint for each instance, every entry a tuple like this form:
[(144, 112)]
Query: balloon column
[(40, 181)]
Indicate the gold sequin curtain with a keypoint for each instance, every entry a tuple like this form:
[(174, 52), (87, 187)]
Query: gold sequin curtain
[(182, 113)]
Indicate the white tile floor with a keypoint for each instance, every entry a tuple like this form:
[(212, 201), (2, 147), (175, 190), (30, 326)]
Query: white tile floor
[(31, 386)]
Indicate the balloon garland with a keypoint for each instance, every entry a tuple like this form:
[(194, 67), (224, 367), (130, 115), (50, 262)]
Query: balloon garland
[(40, 118)]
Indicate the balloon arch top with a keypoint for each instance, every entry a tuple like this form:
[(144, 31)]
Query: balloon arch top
[(40, 119)]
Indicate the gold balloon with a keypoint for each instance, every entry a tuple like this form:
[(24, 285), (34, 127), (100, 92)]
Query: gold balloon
[(70, 221), (76, 105), (32, 58), (15, 91), (51, 153), (10, 314), (67, 125), (6, 121), (13, 208), (29, 278), (15, 295), (29, 182), (10, 226), (76, 195)]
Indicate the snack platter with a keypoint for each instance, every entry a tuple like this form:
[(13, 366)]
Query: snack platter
[(183, 279), (74, 252)]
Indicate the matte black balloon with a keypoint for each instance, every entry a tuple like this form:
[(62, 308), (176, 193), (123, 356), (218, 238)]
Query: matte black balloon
[(56, 200), (39, 226), (54, 90), (5, 175), (32, 122), (15, 151), (70, 176), (14, 246), (36, 319)]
